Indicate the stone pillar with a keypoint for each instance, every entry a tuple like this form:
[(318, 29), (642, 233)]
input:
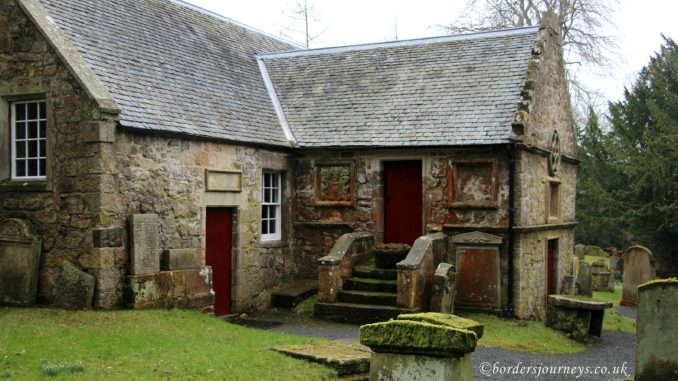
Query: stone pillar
[(657, 330), (426, 346)]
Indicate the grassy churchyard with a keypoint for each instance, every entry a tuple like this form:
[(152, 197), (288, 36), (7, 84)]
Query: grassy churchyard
[(41, 344), (38, 343)]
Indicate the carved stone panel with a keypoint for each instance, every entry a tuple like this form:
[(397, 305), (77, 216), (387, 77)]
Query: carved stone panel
[(144, 242), (472, 184), (478, 276), (223, 181), (478, 269), (334, 183)]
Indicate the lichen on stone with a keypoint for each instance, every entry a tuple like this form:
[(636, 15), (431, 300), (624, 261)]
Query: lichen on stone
[(658, 282), (414, 337), (448, 320)]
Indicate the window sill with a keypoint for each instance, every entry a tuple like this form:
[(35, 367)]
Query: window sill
[(273, 244), (23, 186)]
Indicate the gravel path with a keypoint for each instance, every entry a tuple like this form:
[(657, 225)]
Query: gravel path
[(629, 312), (615, 349)]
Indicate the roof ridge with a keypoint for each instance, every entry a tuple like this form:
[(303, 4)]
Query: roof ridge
[(221, 17), (398, 43)]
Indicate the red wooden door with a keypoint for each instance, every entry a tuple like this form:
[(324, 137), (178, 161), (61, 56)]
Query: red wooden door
[(218, 255), (402, 201), (551, 267)]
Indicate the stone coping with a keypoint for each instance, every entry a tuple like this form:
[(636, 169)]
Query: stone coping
[(658, 283), (343, 247), (433, 337), (417, 253), (581, 304)]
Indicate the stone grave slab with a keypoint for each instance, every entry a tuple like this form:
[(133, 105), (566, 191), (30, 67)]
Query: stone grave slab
[(74, 289), (423, 346), (345, 358), (582, 318), (20, 249), (181, 259), (144, 244)]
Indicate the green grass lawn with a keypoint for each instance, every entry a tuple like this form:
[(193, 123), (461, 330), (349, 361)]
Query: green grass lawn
[(526, 336), (142, 345)]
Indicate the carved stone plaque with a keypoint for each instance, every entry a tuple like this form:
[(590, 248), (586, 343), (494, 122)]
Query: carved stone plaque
[(223, 181), (334, 184), (472, 184)]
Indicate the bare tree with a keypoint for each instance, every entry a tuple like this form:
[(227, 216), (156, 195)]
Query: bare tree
[(582, 22), (304, 13)]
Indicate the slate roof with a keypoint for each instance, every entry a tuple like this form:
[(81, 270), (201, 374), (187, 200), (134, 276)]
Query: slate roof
[(459, 90), (173, 67)]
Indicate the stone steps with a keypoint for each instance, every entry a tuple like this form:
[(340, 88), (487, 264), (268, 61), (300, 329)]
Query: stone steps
[(370, 284), (375, 273), (368, 297), (295, 293), (358, 313)]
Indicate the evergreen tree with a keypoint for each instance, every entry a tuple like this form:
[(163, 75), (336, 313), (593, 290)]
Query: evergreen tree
[(643, 149), (598, 213)]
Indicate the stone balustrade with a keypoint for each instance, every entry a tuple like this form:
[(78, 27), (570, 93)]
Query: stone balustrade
[(416, 271), (339, 263)]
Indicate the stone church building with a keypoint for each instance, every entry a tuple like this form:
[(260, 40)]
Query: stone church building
[(221, 143)]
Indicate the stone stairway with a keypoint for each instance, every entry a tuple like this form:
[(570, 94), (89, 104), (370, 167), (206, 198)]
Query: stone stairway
[(369, 295)]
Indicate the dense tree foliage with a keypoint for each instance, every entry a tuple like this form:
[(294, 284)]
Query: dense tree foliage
[(628, 178)]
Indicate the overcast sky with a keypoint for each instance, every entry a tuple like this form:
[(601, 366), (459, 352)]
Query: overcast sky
[(344, 22)]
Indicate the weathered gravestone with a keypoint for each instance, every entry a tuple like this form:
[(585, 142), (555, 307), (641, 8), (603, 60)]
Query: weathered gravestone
[(657, 331), (601, 277), (426, 346), (443, 289), (584, 283), (20, 248), (144, 243), (579, 251), (74, 289), (638, 269)]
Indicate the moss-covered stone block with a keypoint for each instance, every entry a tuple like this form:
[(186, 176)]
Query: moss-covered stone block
[(417, 337), (446, 320)]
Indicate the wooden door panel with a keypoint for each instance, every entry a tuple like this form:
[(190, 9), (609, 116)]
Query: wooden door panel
[(219, 236), (402, 201)]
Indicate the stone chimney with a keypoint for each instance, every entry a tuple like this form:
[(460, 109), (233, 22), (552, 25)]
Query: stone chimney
[(549, 20)]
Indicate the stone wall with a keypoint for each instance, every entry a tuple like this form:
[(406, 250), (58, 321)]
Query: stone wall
[(547, 109), (97, 176), (167, 176), (64, 207), (319, 226), (549, 99), (531, 271)]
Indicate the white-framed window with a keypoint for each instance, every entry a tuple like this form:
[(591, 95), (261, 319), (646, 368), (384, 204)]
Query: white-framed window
[(28, 140), (270, 206)]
